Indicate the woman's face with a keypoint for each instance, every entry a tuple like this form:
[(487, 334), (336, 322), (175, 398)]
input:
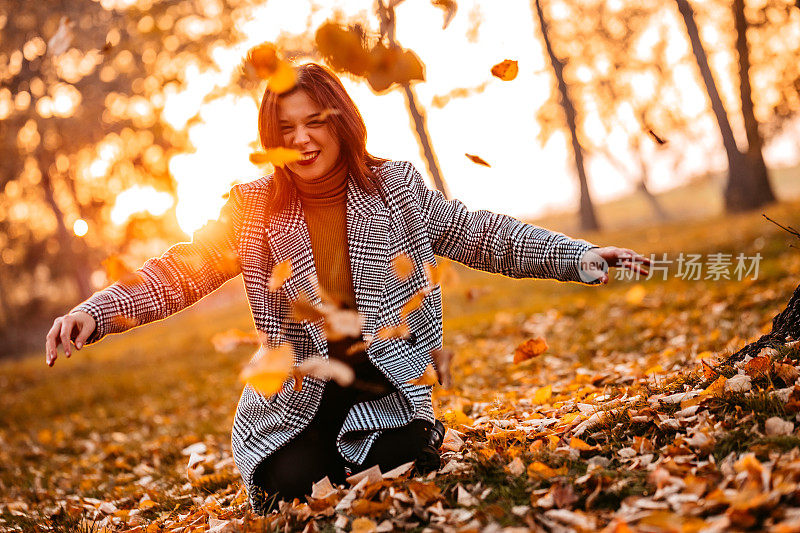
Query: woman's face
[(305, 129)]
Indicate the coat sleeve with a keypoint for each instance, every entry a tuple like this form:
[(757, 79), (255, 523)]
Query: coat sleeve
[(494, 242), (181, 276)]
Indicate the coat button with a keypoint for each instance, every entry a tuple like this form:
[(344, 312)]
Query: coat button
[(412, 339)]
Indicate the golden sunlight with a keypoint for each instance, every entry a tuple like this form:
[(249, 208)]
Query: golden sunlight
[(139, 199)]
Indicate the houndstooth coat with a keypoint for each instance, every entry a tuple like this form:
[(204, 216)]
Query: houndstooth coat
[(408, 217)]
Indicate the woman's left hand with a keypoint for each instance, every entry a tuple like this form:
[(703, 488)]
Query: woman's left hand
[(622, 258)]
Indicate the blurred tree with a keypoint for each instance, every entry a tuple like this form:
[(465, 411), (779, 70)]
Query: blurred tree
[(747, 186), (82, 92), (588, 218)]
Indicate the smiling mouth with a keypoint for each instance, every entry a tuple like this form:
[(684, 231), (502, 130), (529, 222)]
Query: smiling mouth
[(308, 158)]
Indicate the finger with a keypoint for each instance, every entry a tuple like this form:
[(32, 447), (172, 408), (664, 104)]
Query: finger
[(83, 334), (51, 343), (66, 333)]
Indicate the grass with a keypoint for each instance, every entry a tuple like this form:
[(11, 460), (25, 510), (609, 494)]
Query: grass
[(140, 398)]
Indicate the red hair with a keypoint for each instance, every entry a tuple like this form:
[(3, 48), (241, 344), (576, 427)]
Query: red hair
[(325, 90)]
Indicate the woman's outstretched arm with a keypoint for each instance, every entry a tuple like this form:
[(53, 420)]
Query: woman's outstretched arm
[(500, 243), (162, 286)]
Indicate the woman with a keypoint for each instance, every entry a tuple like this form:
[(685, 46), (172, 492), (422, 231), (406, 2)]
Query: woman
[(340, 215)]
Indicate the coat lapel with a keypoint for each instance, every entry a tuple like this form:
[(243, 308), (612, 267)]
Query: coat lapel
[(367, 236), (287, 234)]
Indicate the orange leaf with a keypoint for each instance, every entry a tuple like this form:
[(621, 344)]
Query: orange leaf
[(758, 366), (303, 309), (343, 48), (424, 493), (529, 349), (716, 388), (264, 60), (414, 302), (280, 273), (283, 79), (542, 470), (402, 266), (400, 331), (578, 444), (427, 378), (433, 273), (278, 156), (506, 70), (269, 370), (477, 160)]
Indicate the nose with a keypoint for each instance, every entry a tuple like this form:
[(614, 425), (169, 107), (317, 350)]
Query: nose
[(300, 136)]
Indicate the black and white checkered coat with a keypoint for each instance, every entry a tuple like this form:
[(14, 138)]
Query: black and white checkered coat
[(410, 218)]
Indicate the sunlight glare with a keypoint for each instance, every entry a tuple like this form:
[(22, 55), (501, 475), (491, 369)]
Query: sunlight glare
[(139, 199)]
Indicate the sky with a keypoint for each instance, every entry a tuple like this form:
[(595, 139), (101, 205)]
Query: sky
[(497, 123)]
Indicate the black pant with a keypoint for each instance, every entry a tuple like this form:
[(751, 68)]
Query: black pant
[(312, 455)]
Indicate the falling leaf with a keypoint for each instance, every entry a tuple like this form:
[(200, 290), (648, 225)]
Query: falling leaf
[(326, 369), (402, 266), (343, 324), (506, 70), (265, 63), (343, 48), (391, 65), (449, 7), (227, 341), (280, 273), (529, 349), (356, 347), (62, 38), (303, 309), (278, 156), (269, 369), (427, 378), (433, 273), (443, 359), (283, 79), (400, 331), (477, 160), (117, 271), (413, 303)]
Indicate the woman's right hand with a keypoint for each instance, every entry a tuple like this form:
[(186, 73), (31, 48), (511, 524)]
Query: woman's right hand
[(74, 327)]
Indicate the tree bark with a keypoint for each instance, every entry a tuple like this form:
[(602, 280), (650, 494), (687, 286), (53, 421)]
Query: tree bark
[(737, 190), (421, 128), (760, 192), (588, 218)]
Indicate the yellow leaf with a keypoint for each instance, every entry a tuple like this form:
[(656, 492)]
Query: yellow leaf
[(280, 273), (269, 370), (146, 504), (530, 349), (278, 156), (543, 395), (537, 469), (716, 388), (427, 378), (569, 417), (506, 70), (363, 525), (402, 266), (635, 295), (477, 160), (283, 79)]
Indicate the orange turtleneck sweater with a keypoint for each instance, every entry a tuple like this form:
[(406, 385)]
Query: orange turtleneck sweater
[(324, 201)]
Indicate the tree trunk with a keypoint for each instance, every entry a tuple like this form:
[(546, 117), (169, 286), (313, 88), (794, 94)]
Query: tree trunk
[(77, 264), (737, 197), (421, 128), (661, 214), (760, 191), (588, 219)]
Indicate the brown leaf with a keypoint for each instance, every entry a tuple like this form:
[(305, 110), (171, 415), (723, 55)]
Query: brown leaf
[(303, 309), (442, 359), (506, 70), (452, 442), (563, 495), (402, 266), (449, 7), (758, 366), (414, 302), (477, 160), (529, 349), (343, 48), (424, 493), (362, 507)]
